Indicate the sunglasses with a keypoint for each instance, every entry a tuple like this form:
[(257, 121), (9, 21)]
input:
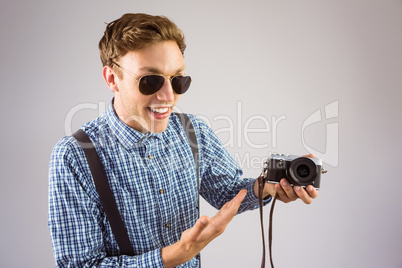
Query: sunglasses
[(150, 84)]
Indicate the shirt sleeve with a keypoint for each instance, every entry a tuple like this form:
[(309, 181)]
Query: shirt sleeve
[(221, 176), (75, 223)]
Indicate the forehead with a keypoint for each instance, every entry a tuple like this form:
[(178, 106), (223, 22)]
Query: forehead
[(164, 57)]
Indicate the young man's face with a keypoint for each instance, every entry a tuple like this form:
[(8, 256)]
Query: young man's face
[(148, 112)]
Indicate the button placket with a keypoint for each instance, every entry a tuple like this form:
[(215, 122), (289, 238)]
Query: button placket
[(161, 186)]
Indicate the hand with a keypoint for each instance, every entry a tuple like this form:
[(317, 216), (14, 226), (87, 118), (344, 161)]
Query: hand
[(287, 193), (205, 230)]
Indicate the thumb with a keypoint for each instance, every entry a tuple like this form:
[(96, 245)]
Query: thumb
[(199, 226)]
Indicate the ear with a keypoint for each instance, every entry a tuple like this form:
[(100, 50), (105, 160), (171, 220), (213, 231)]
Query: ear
[(110, 78)]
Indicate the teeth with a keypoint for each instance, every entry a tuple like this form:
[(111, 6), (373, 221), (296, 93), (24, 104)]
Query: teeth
[(159, 110)]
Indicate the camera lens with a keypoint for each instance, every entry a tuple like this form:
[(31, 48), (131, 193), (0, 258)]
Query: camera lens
[(303, 171)]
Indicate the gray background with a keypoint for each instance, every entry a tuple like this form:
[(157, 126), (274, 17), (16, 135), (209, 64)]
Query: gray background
[(275, 58)]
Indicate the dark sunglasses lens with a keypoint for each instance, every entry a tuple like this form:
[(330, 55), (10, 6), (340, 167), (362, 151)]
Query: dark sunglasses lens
[(150, 84), (181, 84)]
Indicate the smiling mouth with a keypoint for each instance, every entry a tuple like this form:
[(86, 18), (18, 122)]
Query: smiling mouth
[(160, 113), (159, 110)]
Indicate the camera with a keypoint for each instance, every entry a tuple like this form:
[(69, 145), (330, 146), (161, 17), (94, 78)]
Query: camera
[(298, 170)]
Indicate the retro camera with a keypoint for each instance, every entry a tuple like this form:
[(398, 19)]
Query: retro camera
[(298, 170)]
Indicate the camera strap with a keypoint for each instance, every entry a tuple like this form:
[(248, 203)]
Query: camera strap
[(261, 183)]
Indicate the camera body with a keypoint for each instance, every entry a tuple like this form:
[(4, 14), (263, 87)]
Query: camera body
[(297, 170)]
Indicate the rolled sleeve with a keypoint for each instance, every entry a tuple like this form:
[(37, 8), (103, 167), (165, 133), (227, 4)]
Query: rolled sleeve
[(151, 259)]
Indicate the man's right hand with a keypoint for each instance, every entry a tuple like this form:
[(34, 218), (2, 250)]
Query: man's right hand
[(205, 230)]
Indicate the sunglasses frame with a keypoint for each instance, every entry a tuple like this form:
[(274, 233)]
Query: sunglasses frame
[(164, 77)]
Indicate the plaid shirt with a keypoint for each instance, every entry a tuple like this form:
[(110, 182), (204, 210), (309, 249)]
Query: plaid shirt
[(153, 179)]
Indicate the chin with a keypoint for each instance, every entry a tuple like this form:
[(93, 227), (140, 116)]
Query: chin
[(159, 127)]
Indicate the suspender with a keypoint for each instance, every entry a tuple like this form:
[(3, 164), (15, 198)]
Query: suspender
[(189, 128), (103, 187), (105, 193)]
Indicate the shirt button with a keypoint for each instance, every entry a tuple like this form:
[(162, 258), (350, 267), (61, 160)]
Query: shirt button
[(150, 156), (166, 225), (161, 191)]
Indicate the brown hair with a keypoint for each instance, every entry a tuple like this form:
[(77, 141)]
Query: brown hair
[(134, 32)]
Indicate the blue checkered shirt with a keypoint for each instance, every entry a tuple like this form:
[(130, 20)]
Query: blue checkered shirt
[(153, 179)]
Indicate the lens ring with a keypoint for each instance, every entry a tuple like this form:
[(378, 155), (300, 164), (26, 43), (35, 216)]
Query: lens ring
[(150, 84), (308, 175)]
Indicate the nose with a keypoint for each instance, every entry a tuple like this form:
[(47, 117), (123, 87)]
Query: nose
[(166, 93)]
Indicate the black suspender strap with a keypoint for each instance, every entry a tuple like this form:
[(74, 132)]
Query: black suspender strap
[(189, 128), (105, 193), (192, 138)]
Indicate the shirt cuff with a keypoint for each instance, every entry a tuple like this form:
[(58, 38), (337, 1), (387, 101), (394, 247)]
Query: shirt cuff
[(151, 259), (251, 198)]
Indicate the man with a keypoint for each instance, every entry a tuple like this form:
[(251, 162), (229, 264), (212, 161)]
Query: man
[(148, 161)]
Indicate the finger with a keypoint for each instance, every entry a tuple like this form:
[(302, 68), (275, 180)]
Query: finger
[(280, 193), (228, 211), (302, 194), (236, 201), (312, 191), (198, 228), (309, 155), (287, 188)]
